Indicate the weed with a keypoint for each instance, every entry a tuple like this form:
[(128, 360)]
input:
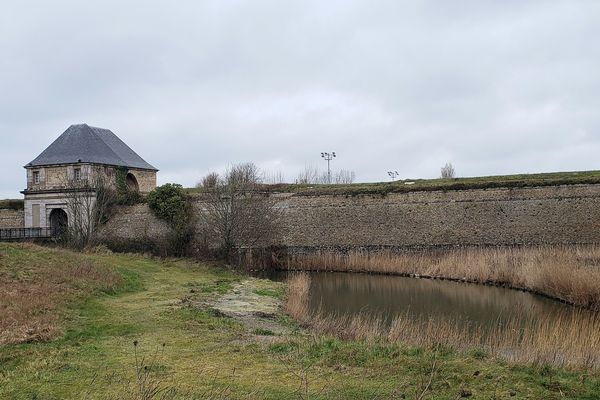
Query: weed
[(275, 293), (263, 332)]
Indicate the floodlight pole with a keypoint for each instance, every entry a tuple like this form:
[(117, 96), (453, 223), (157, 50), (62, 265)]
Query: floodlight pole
[(328, 157)]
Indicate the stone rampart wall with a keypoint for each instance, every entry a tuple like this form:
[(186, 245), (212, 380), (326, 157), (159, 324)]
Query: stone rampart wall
[(499, 216), (135, 223), (12, 219), (563, 214)]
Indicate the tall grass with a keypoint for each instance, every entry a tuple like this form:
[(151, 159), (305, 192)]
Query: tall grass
[(568, 273), (36, 285), (571, 339)]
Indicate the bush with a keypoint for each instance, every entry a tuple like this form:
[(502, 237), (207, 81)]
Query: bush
[(168, 202)]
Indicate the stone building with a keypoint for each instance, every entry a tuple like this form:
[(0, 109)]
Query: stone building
[(75, 164)]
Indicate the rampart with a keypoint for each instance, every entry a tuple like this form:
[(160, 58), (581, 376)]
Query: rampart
[(496, 216), (11, 218)]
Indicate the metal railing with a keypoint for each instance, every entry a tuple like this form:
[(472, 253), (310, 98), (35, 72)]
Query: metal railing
[(8, 234)]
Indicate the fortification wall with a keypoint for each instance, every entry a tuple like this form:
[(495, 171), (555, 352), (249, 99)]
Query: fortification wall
[(134, 223), (499, 216), (561, 214), (12, 218)]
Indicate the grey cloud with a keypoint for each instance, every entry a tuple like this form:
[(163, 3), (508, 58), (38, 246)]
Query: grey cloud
[(494, 87)]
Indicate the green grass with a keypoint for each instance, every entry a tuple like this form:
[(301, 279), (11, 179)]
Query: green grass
[(414, 185), (209, 355), (277, 293)]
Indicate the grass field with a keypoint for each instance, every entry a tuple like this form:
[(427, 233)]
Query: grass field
[(414, 185), (188, 348)]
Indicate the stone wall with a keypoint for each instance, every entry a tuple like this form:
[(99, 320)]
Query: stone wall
[(62, 176), (560, 214), (499, 216), (135, 223), (11, 219), (146, 179)]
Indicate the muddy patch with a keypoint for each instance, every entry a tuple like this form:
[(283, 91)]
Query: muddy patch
[(257, 304)]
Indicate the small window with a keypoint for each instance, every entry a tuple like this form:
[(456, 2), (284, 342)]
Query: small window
[(77, 174), (36, 177)]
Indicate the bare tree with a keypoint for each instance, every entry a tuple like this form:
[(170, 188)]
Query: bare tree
[(309, 175), (90, 200), (274, 178), (209, 181), (345, 176), (447, 171), (244, 175), (312, 175), (237, 214)]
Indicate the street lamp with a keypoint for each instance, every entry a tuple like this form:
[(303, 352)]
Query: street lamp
[(393, 174), (328, 157)]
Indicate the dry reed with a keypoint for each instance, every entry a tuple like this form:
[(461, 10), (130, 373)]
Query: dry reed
[(571, 339), (567, 273)]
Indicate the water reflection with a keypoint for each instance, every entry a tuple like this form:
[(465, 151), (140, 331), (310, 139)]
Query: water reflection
[(391, 296)]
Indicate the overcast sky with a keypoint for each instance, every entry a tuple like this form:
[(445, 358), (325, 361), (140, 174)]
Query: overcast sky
[(494, 87)]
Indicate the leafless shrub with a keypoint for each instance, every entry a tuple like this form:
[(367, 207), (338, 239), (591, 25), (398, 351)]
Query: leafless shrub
[(209, 181), (447, 171)]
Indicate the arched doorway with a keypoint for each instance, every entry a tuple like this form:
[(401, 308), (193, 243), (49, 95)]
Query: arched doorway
[(132, 183), (59, 221)]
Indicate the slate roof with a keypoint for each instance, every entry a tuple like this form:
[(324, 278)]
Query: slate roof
[(84, 143)]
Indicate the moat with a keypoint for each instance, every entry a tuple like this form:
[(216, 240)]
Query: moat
[(387, 297)]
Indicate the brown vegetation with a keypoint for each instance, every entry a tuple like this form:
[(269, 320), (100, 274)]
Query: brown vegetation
[(36, 285), (572, 339), (235, 216), (568, 273)]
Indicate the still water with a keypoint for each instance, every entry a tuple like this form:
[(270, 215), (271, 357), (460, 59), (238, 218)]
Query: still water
[(389, 296)]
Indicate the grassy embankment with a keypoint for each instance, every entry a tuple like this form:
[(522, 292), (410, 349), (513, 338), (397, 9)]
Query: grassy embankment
[(413, 185), (113, 300)]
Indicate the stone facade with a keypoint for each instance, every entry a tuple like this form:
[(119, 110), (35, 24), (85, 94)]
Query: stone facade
[(146, 179), (499, 216), (64, 179), (47, 187), (11, 219)]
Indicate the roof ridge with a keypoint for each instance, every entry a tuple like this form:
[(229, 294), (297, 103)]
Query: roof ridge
[(93, 130)]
